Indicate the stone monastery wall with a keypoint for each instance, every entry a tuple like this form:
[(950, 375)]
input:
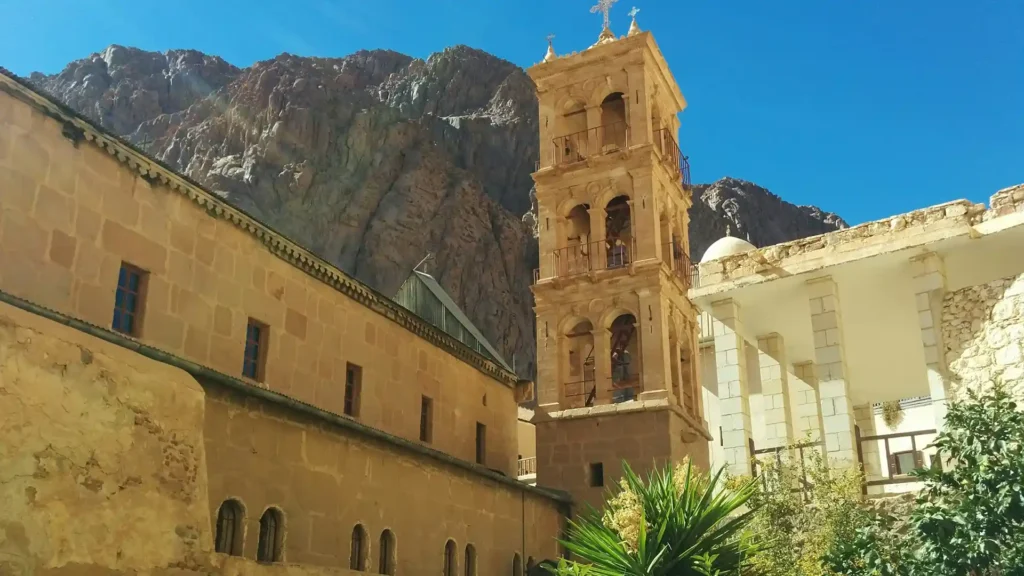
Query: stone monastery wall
[(983, 333), (102, 451)]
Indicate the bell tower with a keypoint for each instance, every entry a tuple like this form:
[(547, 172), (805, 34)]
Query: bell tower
[(617, 337)]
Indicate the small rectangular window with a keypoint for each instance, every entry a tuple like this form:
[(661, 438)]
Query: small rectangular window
[(596, 474), (481, 443), (255, 350), (131, 287), (353, 383), (426, 419)]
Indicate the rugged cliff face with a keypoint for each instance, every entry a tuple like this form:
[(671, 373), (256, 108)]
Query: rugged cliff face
[(375, 160)]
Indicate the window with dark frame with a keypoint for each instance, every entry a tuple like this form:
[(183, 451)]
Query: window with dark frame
[(904, 462), (255, 350), (481, 443), (269, 546), (353, 383), (131, 283), (386, 563), (596, 474), (449, 558), (229, 529), (426, 419), (357, 555)]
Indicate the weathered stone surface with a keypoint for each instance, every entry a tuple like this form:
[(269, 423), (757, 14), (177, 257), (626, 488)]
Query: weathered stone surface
[(102, 461), (375, 159), (983, 332)]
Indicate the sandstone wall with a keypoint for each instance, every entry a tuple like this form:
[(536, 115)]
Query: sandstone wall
[(72, 212), (983, 333), (327, 481), (102, 463)]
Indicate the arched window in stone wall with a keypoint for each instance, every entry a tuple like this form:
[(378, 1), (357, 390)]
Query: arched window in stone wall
[(230, 533), (271, 536), (618, 232), (386, 562), (517, 565), (470, 560), (357, 552), (613, 122), (625, 359), (449, 558)]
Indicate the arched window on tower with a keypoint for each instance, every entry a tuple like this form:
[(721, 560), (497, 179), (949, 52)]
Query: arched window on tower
[(580, 388), (625, 359), (271, 536), (357, 552), (613, 122), (229, 537), (618, 232)]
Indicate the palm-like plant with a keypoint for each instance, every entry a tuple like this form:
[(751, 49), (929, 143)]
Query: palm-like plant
[(678, 523)]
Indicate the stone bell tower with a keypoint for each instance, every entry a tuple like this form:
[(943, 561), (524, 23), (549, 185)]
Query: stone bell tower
[(616, 335)]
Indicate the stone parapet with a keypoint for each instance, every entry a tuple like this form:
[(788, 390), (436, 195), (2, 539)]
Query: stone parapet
[(1006, 201)]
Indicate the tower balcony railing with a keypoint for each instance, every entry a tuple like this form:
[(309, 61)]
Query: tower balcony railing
[(671, 154), (591, 256), (681, 266), (580, 393), (579, 146), (526, 466)]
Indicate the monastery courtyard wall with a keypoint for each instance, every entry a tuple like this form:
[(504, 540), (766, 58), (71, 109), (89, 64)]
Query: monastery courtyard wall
[(983, 333), (102, 461)]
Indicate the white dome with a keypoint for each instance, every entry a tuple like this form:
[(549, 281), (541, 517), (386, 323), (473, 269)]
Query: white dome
[(726, 246)]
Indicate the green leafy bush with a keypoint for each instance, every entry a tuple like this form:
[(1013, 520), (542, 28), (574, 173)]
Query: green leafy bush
[(679, 522)]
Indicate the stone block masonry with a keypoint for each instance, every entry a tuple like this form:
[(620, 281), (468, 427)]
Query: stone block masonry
[(983, 333)]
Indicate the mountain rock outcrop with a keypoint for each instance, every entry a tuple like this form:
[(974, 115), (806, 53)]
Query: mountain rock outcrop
[(376, 159)]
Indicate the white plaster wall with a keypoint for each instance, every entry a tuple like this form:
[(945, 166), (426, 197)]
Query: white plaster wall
[(712, 411), (983, 333)]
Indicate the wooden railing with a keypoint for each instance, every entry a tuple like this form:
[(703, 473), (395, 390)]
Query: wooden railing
[(671, 154), (526, 466), (776, 453), (581, 393), (581, 145)]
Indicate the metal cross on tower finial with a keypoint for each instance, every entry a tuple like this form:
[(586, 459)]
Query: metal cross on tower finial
[(604, 6), (550, 38), (634, 12)]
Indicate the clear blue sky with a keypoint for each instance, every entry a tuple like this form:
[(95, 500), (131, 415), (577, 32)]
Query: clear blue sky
[(863, 107)]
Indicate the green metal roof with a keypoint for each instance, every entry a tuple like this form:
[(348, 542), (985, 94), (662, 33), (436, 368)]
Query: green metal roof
[(423, 296)]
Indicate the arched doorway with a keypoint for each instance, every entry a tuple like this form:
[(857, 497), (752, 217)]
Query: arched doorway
[(576, 257)]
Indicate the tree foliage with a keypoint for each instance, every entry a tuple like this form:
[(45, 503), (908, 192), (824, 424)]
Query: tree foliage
[(679, 522), (968, 520)]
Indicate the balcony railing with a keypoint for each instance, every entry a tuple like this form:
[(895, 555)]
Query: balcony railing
[(581, 145), (581, 393), (671, 154), (681, 266), (877, 451), (583, 258), (526, 466)]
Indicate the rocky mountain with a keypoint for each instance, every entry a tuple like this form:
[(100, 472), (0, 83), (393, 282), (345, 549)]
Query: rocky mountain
[(376, 159)]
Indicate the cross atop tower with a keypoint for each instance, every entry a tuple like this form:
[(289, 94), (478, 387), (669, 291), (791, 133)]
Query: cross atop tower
[(632, 13), (550, 38), (604, 6)]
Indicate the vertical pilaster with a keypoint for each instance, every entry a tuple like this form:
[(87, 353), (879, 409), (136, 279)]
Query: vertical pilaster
[(929, 284), (603, 364), (653, 345), (645, 217), (636, 106), (547, 228), (547, 358), (833, 375), (771, 355), (806, 412), (599, 254), (733, 394)]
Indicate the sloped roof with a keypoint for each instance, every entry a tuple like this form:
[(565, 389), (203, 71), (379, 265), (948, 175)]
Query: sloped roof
[(435, 289)]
